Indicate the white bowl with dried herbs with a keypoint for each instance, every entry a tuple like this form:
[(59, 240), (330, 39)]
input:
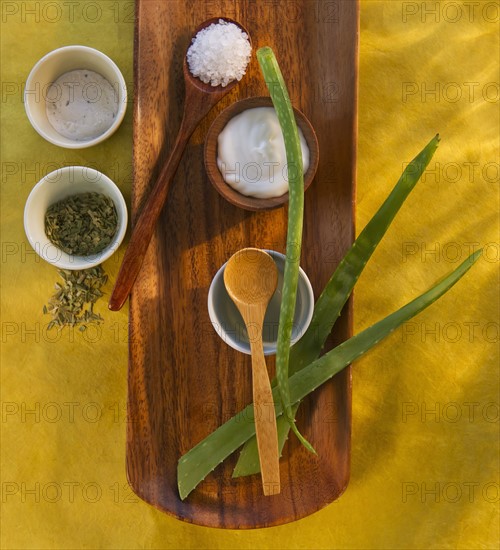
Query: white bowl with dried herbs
[(75, 218)]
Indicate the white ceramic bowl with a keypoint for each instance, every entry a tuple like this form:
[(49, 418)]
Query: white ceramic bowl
[(56, 186), (229, 325), (49, 68)]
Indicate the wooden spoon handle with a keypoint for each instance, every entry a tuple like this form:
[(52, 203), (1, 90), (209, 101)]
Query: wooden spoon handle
[(145, 225), (265, 421), (197, 104)]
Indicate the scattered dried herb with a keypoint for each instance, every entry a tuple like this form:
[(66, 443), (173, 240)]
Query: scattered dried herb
[(82, 224), (73, 303)]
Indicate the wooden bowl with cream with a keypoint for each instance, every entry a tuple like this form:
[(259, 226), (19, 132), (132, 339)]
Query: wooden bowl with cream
[(230, 193)]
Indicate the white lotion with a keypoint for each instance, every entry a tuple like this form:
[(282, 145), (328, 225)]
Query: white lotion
[(81, 105), (251, 154)]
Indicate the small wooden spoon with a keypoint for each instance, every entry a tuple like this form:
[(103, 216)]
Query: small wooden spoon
[(199, 99), (251, 277)]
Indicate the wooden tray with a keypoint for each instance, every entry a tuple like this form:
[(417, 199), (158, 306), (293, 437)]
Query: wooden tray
[(183, 380)]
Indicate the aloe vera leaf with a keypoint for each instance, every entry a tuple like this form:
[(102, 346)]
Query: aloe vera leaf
[(309, 378), (248, 461), (339, 288), (284, 111), (198, 462)]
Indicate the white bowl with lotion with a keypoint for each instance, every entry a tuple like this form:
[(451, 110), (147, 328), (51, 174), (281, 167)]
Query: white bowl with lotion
[(41, 89), (58, 185), (229, 324)]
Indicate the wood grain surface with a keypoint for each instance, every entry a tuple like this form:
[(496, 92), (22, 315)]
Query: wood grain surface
[(183, 380)]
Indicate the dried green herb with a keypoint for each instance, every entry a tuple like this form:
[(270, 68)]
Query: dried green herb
[(73, 303), (82, 224)]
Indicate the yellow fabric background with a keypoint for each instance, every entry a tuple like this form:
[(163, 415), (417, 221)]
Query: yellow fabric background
[(420, 479)]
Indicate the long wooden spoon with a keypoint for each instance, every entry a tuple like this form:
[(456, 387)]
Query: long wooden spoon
[(199, 99), (251, 277)]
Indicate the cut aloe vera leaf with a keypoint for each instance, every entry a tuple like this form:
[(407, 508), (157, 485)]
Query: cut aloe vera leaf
[(286, 117), (197, 463), (340, 286)]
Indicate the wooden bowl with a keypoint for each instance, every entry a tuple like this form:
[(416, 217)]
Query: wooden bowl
[(210, 155)]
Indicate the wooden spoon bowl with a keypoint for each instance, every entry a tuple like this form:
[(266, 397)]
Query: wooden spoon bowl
[(210, 155)]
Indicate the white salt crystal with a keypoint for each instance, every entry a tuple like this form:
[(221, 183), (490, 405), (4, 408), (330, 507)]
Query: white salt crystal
[(219, 53)]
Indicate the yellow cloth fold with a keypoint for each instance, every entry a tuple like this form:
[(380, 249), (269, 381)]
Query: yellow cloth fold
[(425, 402)]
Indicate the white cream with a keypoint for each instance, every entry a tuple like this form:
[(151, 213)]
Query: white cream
[(251, 154), (81, 105)]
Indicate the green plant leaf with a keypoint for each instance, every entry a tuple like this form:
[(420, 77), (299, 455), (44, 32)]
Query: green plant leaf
[(284, 111), (339, 288), (197, 463)]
